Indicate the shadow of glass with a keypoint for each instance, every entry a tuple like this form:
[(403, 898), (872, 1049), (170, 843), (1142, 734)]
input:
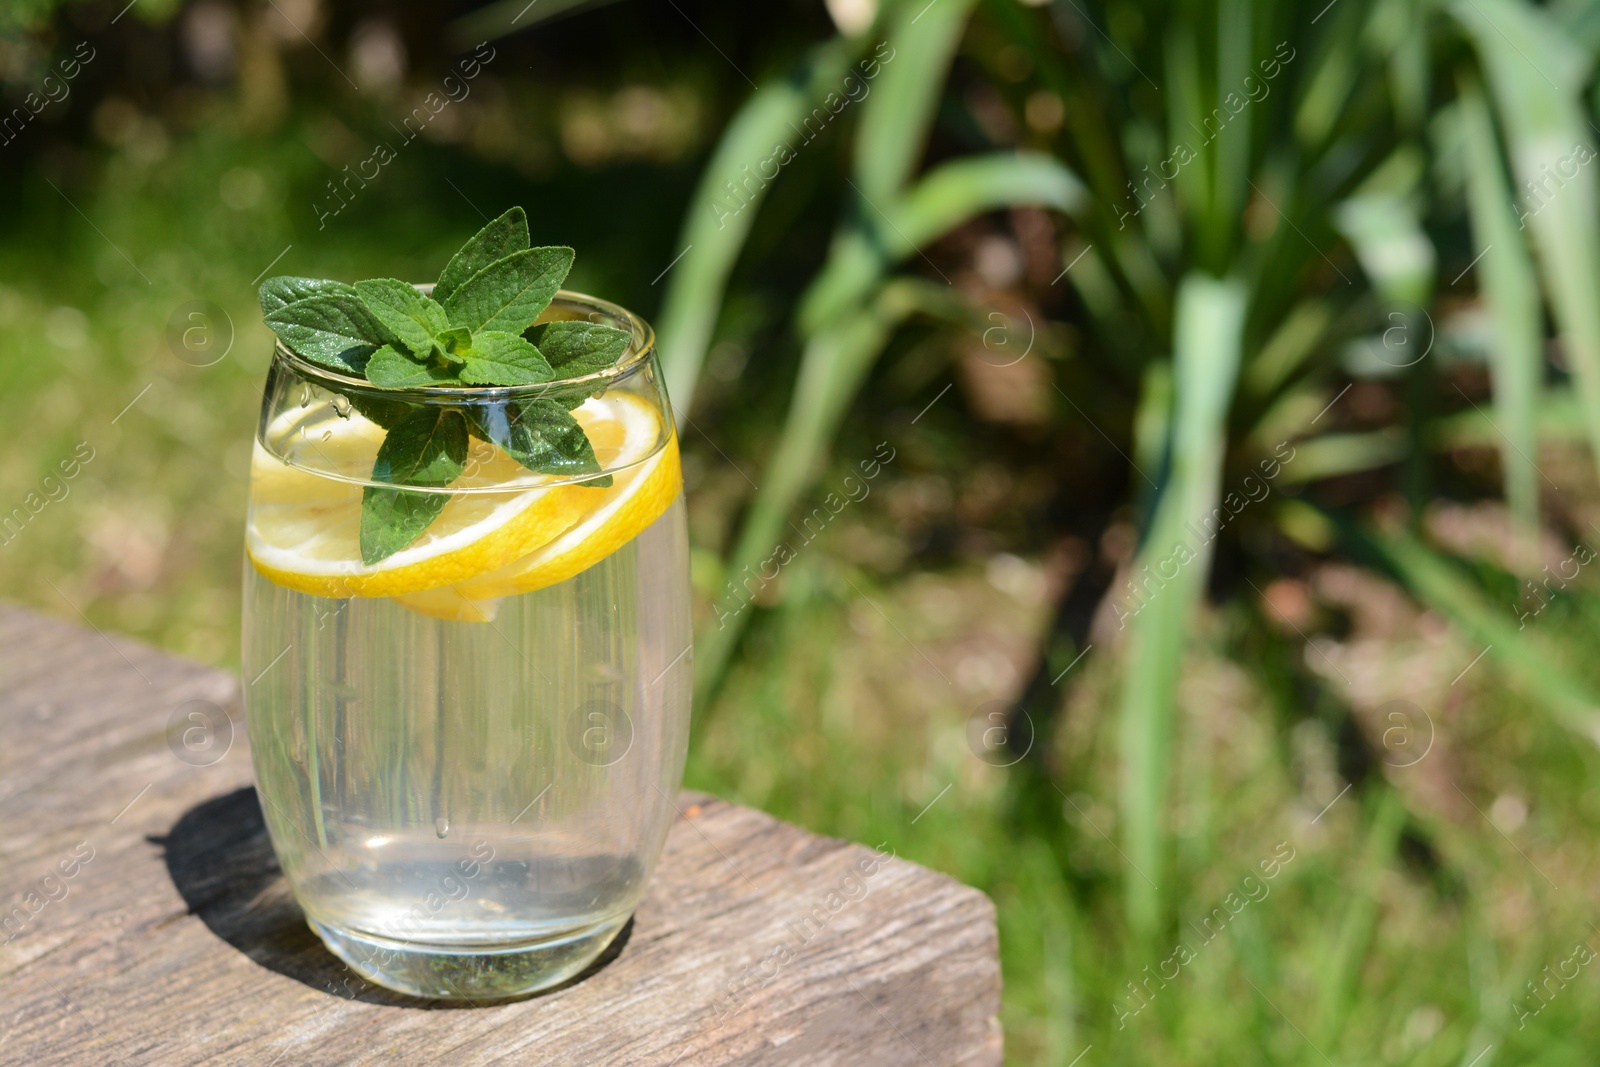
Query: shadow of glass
[(221, 861)]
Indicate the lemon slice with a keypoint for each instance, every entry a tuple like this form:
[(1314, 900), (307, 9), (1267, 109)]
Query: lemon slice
[(637, 499), (445, 603), (304, 529)]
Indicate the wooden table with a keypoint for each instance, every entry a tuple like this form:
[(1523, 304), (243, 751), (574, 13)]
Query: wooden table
[(143, 919)]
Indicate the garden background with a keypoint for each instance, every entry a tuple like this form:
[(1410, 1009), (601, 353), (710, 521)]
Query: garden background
[(1179, 419)]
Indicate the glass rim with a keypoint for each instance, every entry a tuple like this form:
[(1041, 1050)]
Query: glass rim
[(640, 350)]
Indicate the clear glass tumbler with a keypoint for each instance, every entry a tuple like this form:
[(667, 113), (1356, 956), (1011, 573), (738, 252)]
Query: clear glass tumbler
[(468, 753)]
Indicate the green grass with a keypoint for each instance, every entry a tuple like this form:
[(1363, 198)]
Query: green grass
[(1397, 934)]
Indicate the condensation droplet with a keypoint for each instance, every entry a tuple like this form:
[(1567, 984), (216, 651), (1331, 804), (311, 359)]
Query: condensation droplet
[(441, 826), (327, 435), (305, 396), (341, 405)]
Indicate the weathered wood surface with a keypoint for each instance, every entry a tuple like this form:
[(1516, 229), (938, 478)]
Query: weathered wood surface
[(143, 919)]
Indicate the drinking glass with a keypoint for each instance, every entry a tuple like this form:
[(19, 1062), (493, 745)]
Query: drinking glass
[(467, 763)]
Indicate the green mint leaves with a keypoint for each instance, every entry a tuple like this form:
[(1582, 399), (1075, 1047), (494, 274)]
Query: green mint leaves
[(496, 241), (412, 317), (426, 448), (574, 349), (499, 358), (510, 293), (475, 330), (337, 330), (469, 331), (280, 292)]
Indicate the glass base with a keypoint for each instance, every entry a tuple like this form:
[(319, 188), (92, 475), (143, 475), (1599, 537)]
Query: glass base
[(456, 972)]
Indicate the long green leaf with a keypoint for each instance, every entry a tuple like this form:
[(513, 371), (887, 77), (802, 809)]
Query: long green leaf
[(1209, 337), (1187, 107), (1488, 987), (1444, 587), (1335, 70), (896, 117), (1537, 77), (844, 325), (1383, 223), (1293, 342), (1335, 454), (1231, 149), (506, 17), (1351, 941), (834, 364), (713, 231), (1507, 272), (1558, 418), (951, 194), (895, 123)]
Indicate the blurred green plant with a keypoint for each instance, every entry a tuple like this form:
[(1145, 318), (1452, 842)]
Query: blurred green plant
[(849, 311), (1247, 233)]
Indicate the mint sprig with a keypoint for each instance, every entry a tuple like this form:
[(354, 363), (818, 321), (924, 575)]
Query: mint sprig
[(475, 330)]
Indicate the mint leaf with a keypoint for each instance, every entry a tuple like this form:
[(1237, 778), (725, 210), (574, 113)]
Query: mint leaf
[(337, 331), (496, 241), (499, 358), (455, 344), (510, 293), (413, 317), (427, 448), (543, 437), (391, 519), (386, 413), (578, 348), (391, 368), (284, 290)]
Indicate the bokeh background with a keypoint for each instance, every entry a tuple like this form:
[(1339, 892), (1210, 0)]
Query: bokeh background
[(1230, 371)]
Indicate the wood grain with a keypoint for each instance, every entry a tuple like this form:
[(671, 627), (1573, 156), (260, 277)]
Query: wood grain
[(143, 919)]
